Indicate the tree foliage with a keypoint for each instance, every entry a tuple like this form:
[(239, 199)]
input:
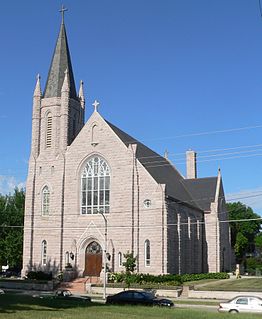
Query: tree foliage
[(130, 266), (130, 262), (258, 242), (11, 228), (241, 245), (244, 231)]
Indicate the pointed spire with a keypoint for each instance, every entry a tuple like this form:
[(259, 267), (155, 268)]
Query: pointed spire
[(219, 173), (66, 84), (166, 154), (60, 62), (37, 91), (81, 92), (219, 179)]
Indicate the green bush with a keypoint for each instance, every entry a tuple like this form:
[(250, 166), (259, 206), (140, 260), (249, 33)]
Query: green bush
[(167, 279), (194, 277), (39, 275)]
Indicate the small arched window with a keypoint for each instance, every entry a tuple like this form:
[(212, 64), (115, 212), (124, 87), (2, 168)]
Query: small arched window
[(49, 130), (44, 253), (45, 201), (120, 259), (95, 186), (147, 253)]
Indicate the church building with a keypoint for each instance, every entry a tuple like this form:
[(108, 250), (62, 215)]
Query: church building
[(92, 188)]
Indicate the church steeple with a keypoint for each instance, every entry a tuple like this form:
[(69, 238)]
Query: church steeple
[(60, 63)]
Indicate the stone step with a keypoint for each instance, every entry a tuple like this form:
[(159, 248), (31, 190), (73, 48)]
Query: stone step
[(78, 285)]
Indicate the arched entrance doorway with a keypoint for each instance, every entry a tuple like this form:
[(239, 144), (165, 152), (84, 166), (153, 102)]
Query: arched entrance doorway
[(93, 259)]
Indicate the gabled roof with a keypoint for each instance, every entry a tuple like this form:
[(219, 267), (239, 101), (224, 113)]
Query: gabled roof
[(159, 168), (203, 191), (60, 63)]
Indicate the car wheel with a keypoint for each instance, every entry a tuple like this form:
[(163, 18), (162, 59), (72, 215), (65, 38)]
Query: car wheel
[(233, 311)]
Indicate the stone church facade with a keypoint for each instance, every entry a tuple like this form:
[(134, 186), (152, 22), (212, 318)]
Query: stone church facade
[(92, 188)]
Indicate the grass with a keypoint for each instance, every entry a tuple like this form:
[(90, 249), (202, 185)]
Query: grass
[(196, 302), (26, 307), (242, 284)]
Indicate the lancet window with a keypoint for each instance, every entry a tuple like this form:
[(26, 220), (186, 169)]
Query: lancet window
[(95, 186)]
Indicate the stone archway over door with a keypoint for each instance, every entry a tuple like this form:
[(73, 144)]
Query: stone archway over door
[(93, 259)]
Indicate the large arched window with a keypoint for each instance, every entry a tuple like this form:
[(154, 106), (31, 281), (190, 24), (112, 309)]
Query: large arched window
[(45, 201), (44, 253), (95, 186), (147, 253)]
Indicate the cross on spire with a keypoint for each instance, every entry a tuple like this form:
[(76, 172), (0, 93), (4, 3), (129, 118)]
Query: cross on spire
[(95, 105), (62, 10)]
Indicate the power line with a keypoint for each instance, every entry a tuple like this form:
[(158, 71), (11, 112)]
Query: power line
[(201, 133), (140, 226), (204, 156), (149, 210), (201, 159), (257, 147), (251, 194)]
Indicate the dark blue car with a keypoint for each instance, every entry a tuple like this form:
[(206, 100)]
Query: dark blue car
[(135, 297)]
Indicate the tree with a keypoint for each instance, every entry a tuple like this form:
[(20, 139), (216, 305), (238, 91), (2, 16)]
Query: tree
[(258, 242), (130, 266), (244, 231), (130, 263), (241, 245), (11, 228)]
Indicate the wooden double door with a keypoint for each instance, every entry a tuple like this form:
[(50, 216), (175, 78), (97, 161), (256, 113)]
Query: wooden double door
[(93, 259)]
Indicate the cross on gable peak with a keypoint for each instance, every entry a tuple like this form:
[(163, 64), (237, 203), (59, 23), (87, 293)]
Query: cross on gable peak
[(95, 105)]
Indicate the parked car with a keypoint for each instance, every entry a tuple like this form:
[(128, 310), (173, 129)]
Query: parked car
[(134, 297), (242, 304)]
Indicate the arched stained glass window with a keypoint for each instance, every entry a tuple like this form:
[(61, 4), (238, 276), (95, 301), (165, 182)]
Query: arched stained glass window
[(45, 201), (44, 253), (147, 253), (95, 186)]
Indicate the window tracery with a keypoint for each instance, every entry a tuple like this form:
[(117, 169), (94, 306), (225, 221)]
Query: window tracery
[(95, 186)]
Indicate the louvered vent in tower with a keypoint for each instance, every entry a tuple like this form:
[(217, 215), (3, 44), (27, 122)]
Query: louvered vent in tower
[(49, 131)]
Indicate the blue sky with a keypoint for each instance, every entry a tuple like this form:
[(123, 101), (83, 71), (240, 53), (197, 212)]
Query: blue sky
[(163, 71)]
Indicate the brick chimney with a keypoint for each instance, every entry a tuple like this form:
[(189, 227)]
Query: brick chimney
[(191, 167)]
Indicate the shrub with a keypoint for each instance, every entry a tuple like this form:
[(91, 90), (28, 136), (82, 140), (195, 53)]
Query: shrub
[(39, 275), (194, 277), (168, 279)]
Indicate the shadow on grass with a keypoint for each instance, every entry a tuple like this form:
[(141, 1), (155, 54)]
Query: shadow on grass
[(11, 303)]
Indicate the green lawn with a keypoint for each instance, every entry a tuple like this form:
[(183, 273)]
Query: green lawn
[(26, 307), (242, 284)]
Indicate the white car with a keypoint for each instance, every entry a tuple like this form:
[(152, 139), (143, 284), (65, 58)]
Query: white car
[(1, 292), (242, 304)]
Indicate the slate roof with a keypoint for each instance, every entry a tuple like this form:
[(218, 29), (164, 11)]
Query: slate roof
[(60, 62), (203, 190), (163, 171)]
